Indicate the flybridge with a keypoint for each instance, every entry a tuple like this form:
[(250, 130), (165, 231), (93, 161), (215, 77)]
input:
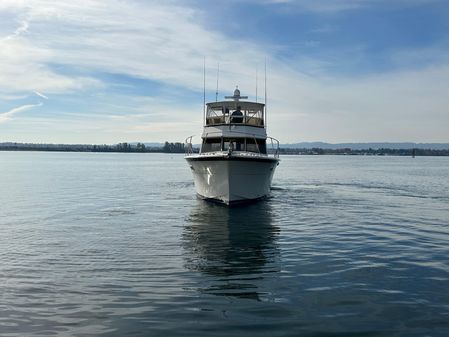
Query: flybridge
[(235, 112)]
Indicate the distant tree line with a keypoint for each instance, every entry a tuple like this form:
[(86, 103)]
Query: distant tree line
[(120, 147), (173, 147)]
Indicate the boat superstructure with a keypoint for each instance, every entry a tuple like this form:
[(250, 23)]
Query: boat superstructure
[(234, 163)]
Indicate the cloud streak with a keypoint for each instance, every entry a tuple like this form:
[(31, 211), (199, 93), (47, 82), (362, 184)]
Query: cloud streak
[(7, 116), (40, 95)]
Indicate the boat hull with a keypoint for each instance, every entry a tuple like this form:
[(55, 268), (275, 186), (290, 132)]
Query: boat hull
[(232, 179)]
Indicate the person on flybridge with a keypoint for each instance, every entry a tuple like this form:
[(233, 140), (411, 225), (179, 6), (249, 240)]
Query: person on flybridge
[(237, 116)]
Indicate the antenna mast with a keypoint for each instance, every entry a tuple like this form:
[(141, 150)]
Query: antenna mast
[(218, 74), (256, 84), (265, 92), (204, 90)]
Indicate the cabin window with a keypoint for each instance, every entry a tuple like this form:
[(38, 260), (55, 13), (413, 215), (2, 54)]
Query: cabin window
[(211, 145), (256, 145), (262, 146), (245, 144), (238, 144), (251, 145)]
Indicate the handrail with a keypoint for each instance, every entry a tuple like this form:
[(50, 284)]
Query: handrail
[(276, 152), (188, 146)]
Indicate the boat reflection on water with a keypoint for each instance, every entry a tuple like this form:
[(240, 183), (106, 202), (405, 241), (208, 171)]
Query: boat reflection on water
[(236, 246)]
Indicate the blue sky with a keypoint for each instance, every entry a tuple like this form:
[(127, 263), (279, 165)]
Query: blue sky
[(113, 71)]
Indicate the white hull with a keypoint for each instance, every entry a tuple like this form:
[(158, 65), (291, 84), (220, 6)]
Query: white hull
[(232, 178)]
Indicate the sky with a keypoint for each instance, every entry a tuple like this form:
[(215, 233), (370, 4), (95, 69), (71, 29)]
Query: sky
[(103, 72)]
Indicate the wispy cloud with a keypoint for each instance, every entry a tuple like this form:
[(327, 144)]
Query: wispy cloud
[(6, 116), (149, 40), (57, 47), (12, 97), (170, 41), (40, 95), (335, 6)]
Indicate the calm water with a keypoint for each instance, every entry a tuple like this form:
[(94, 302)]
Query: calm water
[(119, 245)]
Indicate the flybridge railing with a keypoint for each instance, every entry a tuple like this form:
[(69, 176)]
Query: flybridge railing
[(274, 144)]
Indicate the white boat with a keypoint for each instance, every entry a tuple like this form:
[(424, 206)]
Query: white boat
[(233, 164)]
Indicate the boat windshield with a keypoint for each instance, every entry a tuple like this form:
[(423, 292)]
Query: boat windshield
[(234, 144)]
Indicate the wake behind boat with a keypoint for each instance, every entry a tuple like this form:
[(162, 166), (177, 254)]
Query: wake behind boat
[(233, 164)]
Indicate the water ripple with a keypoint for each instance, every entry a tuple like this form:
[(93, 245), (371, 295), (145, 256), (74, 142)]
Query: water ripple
[(344, 246)]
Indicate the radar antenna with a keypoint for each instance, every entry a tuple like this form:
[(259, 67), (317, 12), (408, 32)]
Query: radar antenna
[(236, 97)]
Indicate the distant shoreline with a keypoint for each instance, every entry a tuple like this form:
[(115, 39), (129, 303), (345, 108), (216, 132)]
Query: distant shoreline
[(120, 148), (179, 148)]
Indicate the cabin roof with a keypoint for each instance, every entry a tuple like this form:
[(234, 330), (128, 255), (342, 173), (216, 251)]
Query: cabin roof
[(234, 104)]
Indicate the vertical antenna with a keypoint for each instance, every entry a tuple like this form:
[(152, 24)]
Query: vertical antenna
[(218, 74), (265, 92), (256, 84), (204, 90)]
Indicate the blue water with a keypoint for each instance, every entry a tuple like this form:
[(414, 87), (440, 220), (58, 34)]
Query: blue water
[(119, 245)]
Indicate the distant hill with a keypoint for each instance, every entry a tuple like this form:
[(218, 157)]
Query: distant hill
[(366, 146)]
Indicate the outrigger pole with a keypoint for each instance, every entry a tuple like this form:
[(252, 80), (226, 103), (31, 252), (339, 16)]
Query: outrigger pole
[(204, 90), (265, 92), (218, 74), (256, 84)]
